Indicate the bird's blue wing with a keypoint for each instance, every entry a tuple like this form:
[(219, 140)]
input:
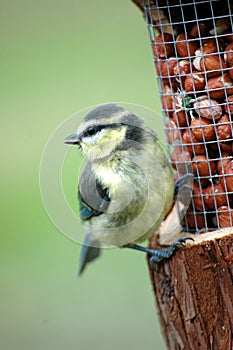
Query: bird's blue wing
[(84, 210), (93, 198)]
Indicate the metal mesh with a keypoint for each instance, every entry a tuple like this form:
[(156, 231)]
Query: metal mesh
[(192, 45)]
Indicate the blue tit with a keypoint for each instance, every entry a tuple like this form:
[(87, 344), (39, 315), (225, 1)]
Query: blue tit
[(126, 188)]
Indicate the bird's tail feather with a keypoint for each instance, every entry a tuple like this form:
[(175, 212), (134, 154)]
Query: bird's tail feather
[(90, 251)]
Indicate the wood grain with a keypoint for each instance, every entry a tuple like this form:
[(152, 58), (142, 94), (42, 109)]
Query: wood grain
[(194, 295)]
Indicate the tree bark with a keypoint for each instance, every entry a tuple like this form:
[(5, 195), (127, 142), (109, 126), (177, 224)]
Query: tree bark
[(194, 293)]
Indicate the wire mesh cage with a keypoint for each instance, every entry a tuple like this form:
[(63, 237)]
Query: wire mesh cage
[(192, 44)]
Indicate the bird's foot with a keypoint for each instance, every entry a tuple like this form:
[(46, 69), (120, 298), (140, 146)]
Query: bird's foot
[(158, 255), (162, 254)]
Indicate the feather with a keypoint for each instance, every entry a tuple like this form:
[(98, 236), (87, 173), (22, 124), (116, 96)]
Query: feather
[(93, 198), (89, 252)]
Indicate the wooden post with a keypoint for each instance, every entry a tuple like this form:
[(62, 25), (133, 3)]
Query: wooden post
[(194, 293)]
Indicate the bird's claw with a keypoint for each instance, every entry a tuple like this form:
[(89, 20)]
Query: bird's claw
[(182, 241), (162, 254)]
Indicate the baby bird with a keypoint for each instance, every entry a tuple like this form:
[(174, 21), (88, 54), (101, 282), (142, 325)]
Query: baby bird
[(126, 188)]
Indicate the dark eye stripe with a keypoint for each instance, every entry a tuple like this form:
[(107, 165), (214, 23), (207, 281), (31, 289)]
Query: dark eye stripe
[(94, 129)]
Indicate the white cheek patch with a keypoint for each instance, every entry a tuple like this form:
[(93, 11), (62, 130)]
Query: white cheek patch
[(89, 140)]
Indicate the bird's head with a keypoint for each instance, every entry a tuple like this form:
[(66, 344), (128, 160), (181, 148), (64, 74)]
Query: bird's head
[(106, 129)]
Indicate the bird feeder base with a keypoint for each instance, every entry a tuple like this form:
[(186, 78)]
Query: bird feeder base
[(194, 292)]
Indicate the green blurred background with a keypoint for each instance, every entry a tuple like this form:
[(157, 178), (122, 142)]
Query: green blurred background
[(58, 57)]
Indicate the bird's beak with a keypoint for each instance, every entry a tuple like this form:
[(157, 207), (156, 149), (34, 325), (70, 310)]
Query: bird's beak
[(72, 139)]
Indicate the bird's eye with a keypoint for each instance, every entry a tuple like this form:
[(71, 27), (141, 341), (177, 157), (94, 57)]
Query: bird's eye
[(93, 130)]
